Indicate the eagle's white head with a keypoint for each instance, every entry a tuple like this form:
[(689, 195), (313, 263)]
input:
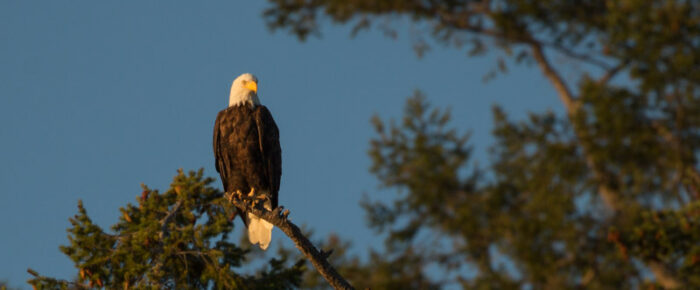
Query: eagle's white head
[(244, 90)]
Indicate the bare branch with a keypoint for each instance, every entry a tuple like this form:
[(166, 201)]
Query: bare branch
[(164, 222), (610, 197), (579, 56), (612, 72), (279, 219), (554, 77), (164, 233)]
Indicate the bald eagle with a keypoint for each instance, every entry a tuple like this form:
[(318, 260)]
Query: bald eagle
[(248, 154)]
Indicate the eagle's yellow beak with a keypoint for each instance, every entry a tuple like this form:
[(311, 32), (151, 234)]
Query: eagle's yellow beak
[(253, 86)]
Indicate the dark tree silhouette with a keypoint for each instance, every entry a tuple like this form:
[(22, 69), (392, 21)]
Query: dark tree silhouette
[(603, 196)]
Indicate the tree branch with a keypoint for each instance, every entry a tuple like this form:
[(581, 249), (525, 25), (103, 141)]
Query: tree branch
[(686, 169), (164, 222), (610, 196), (663, 275), (612, 72), (164, 233), (279, 219), (557, 81)]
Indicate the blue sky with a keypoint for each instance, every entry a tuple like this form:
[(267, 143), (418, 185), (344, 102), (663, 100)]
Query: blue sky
[(97, 98)]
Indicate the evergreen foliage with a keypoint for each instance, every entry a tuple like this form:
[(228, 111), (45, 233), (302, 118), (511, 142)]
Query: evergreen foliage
[(176, 239), (604, 196)]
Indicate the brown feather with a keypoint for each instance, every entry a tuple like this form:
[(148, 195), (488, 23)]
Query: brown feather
[(247, 150)]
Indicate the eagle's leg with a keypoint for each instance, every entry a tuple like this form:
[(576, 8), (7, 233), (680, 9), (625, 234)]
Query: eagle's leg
[(234, 195)]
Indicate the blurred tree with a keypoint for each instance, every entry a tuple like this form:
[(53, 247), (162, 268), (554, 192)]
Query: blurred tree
[(174, 240), (379, 271), (605, 196), (4, 285)]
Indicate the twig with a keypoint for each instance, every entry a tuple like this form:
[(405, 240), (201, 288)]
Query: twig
[(612, 72), (164, 233), (279, 219), (164, 222)]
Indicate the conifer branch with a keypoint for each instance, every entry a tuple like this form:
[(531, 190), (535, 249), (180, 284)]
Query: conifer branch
[(164, 233), (164, 222), (278, 218), (610, 197)]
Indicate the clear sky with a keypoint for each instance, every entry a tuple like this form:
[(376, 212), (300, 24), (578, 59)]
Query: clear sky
[(96, 98)]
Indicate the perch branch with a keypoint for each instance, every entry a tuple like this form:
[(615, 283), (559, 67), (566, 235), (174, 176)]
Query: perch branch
[(279, 219)]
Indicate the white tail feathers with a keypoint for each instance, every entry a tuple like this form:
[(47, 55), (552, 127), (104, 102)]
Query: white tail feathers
[(259, 230)]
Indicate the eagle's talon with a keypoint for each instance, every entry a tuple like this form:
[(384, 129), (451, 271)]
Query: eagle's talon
[(276, 211), (233, 195)]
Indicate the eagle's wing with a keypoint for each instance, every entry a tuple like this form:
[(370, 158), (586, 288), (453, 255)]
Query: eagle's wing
[(271, 151), (218, 154), (221, 159)]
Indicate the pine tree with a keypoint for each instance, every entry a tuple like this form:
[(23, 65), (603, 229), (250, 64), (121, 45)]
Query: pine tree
[(178, 239)]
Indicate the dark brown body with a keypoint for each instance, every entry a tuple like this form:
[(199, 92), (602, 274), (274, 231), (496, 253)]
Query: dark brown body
[(247, 150)]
